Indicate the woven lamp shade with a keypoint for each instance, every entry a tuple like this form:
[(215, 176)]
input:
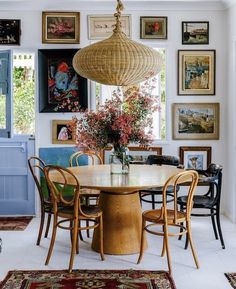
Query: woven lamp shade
[(117, 60)]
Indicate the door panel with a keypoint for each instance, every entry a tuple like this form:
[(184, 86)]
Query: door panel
[(17, 190)]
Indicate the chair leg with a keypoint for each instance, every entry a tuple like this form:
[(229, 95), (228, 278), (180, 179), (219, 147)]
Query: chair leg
[(142, 241), (87, 222), (189, 233), (153, 201), (74, 243), (101, 238), (166, 240), (48, 225), (41, 226), (54, 231), (219, 227), (186, 242), (163, 245), (181, 228), (214, 223)]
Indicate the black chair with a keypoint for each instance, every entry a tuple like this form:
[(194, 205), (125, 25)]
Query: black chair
[(211, 177), (157, 191)]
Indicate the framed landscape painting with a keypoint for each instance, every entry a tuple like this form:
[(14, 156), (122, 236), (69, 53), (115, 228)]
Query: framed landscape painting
[(153, 27), (196, 72), (10, 32), (196, 121), (102, 26), (137, 154), (61, 133), (61, 89), (197, 158), (61, 27), (195, 32)]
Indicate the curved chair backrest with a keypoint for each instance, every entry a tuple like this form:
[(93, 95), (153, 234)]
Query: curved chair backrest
[(36, 163), (60, 181), (163, 160), (190, 179), (92, 156)]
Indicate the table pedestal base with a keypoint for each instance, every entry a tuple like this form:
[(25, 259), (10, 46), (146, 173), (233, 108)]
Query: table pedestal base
[(122, 221)]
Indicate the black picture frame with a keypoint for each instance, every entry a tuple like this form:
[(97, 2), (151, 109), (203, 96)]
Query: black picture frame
[(61, 89), (10, 31), (195, 32)]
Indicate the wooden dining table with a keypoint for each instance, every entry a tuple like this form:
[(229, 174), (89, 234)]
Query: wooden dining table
[(120, 202)]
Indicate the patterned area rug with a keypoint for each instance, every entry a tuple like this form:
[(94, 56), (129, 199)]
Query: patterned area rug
[(14, 223), (88, 279), (232, 279)]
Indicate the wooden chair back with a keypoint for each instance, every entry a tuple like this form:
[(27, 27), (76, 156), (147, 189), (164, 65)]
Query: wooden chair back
[(93, 158)]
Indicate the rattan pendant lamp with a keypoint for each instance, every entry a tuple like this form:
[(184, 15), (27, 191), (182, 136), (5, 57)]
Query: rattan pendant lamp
[(117, 60)]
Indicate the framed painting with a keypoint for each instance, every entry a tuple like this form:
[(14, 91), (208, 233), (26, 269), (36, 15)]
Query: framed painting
[(61, 27), (10, 32), (101, 26), (153, 27), (137, 154), (196, 72), (195, 157), (195, 32), (61, 132), (196, 121), (61, 89)]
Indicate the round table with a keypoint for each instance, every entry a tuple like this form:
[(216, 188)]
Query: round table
[(119, 200)]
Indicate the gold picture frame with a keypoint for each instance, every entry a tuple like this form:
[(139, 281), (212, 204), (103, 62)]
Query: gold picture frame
[(196, 72), (61, 134), (196, 121), (101, 26), (139, 154), (61, 27)]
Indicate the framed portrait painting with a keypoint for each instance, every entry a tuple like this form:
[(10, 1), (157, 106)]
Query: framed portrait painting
[(61, 132), (10, 32), (61, 27), (102, 26), (196, 72), (195, 157), (196, 121), (137, 154), (61, 89), (153, 27), (195, 32)]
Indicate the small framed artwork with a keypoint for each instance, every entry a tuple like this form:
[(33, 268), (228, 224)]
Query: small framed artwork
[(197, 158), (10, 32), (196, 72), (101, 26), (61, 89), (195, 32), (61, 132), (196, 121), (153, 27), (137, 154), (61, 27)]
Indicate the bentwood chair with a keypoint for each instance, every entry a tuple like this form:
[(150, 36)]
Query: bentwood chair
[(153, 195), (212, 178), (36, 166), (160, 220), (70, 212), (88, 195)]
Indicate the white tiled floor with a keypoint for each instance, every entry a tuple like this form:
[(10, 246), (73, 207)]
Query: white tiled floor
[(20, 252)]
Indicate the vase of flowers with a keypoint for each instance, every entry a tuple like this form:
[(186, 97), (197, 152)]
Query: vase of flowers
[(119, 160), (125, 119)]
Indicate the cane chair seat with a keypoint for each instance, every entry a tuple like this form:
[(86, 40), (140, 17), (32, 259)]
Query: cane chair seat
[(156, 216)]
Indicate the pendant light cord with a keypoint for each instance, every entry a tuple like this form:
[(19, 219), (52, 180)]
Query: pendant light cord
[(119, 9)]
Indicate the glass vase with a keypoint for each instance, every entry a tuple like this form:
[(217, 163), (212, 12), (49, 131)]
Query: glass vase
[(119, 160)]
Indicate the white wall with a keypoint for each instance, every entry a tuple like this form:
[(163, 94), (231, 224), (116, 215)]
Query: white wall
[(31, 38)]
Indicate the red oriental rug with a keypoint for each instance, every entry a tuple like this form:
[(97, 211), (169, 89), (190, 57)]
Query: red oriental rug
[(88, 279), (14, 223), (232, 279)]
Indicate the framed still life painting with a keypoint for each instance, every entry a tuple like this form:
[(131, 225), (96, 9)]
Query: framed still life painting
[(196, 121), (196, 72), (61, 27), (61, 89), (196, 158), (153, 27)]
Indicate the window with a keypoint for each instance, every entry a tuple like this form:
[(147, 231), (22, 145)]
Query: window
[(104, 92)]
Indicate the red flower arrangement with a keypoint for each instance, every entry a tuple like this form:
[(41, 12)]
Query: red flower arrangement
[(118, 122)]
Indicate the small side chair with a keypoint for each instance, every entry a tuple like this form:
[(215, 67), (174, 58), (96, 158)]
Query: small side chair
[(157, 222), (70, 212)]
